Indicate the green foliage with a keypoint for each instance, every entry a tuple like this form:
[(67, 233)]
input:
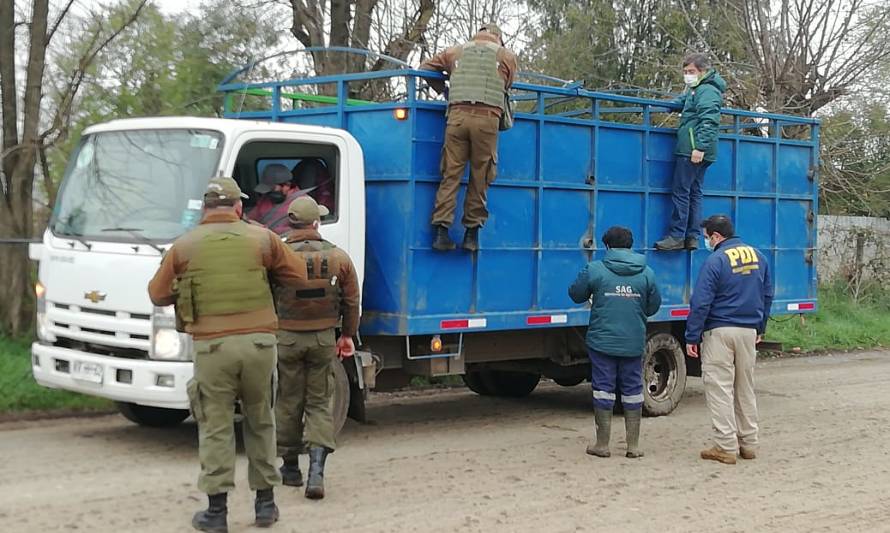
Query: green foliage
[(856, 159), (21, 393), (166, 66), (840, 323)]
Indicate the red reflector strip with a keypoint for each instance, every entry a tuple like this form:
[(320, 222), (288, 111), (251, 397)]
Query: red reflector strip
[(547, 319), (680, 312), (803, 306), (463, 323)]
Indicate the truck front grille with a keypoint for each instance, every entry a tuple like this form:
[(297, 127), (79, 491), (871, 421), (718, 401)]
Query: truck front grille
[(100, 331)]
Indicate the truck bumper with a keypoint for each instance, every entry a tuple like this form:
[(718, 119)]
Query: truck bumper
[(118, 379)]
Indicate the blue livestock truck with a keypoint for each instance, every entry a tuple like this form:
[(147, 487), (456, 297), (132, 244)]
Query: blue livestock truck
[(575, 163)]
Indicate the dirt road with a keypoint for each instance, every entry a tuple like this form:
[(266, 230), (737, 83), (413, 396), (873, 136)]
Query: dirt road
[(453, 461)]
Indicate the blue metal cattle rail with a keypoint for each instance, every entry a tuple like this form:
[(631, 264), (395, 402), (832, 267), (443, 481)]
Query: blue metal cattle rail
[(575, 163)]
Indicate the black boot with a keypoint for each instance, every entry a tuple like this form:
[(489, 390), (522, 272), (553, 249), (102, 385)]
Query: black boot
[(442, 241), (291, 474), (214, 518), (315, 478), (691, 243), (266, 510), (471, 239)]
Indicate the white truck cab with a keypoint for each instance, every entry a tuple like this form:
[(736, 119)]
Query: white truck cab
[(131, 188)]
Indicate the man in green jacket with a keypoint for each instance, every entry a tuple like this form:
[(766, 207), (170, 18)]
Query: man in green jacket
[(623, 294), (696, 149)]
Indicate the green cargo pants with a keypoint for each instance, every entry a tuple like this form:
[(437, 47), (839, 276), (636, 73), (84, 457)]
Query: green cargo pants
[(469, 137), (229, 368), (305, 389)]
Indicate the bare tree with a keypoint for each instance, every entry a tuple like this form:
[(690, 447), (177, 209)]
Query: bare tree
[(808, 53), (40, 128)]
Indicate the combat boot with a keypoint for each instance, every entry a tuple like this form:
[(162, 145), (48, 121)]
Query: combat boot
[(603, 418), (266, 510), (471, 239), (442, 241), (632, 420), (315, 477), (214, 519), (291, 474)]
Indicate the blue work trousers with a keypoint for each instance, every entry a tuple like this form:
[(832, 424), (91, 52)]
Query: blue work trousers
[(609, 374), (687, 196)]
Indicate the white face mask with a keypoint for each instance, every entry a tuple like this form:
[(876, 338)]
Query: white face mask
[(690, 79)]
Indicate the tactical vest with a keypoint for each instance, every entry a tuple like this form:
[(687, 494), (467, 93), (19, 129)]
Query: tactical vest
[(319, 296), (476, 77), (224, 276)]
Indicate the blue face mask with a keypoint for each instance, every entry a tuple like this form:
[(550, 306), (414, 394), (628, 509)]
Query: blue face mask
[(708, 245)]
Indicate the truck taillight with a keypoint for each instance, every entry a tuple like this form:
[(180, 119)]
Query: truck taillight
[(400, 113)]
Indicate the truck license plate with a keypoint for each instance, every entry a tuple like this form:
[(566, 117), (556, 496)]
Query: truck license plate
[(91, 372)]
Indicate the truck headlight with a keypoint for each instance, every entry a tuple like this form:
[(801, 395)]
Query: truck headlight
[(167, 344), (43, 332)]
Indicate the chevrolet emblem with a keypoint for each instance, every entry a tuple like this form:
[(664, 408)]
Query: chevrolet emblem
[(95, 296)]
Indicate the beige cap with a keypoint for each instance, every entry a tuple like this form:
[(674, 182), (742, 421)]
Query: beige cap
[(305, 210), (223, 188)]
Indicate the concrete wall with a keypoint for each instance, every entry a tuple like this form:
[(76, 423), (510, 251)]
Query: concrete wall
[(853, 245)]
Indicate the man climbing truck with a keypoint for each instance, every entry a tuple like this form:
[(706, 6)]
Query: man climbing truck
[(499, 317)]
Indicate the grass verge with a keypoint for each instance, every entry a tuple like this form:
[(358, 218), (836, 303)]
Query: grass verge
[(20, 393), (840, 324)]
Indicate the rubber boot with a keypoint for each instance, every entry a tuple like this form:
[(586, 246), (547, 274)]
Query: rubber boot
[(214, 518), (632, 420), (291, 474), (315, 478), (442, 241), (603, 419), (471, 239), (266, 510)]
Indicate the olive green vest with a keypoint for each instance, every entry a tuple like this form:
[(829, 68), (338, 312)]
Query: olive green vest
[(476, 77), (319, 296), (224, 275)]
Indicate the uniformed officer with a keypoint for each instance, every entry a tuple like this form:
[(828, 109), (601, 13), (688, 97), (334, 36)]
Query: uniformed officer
[(480, 72), (217, 276), (309, 314), (728, 313)]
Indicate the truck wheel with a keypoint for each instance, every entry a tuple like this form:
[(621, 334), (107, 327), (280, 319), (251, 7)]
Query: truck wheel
[(155, 417), (341, 396), (510, 384), (475, 382), (664, 375), (569, 382)]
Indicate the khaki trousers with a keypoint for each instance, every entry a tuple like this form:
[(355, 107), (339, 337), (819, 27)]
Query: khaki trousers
[(473, 138), (305, 406), (728, 357), (229, 368)]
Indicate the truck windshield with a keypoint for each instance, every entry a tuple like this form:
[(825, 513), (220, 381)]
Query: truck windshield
[(144, 182)]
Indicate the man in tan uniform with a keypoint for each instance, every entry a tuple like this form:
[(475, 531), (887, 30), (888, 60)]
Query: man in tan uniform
[(480, 72), (309, 314), (217, 275)]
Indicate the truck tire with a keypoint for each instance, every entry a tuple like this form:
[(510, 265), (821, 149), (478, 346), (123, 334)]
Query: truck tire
[(341, 396), (664, 375), (510, 384), (569, 382), (475, 382), (155, 417)]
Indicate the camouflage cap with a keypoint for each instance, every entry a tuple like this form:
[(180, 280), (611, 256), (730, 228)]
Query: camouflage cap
[(223, 188), (492, 28), (305, 210)]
